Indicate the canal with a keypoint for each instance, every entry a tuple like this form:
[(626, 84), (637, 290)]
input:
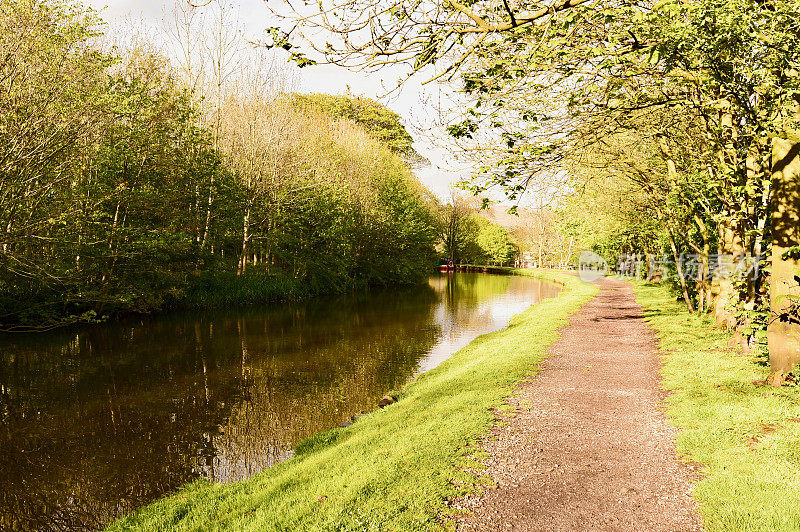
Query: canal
[(97, 421)]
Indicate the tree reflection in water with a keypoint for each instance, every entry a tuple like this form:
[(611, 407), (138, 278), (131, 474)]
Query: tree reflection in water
[(99, 421)]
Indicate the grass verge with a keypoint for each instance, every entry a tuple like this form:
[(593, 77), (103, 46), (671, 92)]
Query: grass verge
[(394, 468), (745, 436), (222, 289)]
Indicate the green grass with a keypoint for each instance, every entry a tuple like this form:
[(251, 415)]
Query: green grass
[(394, 468), (221, 289), (741, 433)]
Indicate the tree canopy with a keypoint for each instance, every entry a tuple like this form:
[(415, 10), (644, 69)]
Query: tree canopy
[(382, 123), (692, 105)]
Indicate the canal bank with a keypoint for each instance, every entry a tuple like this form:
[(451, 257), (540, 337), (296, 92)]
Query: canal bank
[(394, 468)]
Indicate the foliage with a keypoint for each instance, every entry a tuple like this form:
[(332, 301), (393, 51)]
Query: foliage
[(498, 245), (469, 237), (549, 236), (116, 197), (382, 123), (455, 228), (681, 101), (695, 103), (489, 243)]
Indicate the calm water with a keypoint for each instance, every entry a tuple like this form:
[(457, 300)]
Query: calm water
[(99, 421)]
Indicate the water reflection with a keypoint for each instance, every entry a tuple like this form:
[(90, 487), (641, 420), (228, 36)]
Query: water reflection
[(97, 422), (475, 304)]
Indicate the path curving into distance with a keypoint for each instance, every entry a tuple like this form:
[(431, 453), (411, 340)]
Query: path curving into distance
[(588, 447)]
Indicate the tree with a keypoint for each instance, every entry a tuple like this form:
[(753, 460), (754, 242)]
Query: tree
[(783, 331), (383, 124), (497, 244), (51, 106), (128, 184), (454, 227), (552, 83)]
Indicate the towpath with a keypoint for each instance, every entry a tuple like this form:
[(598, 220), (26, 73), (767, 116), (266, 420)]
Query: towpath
[(588, 447)]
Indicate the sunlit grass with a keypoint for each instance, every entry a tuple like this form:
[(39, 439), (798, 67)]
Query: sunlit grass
[(743, 434), (394, 468)]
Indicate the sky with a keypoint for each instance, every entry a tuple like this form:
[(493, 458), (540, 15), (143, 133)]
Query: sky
[(412, 102)]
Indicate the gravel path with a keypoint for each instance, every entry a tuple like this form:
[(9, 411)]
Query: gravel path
[(588, 447)]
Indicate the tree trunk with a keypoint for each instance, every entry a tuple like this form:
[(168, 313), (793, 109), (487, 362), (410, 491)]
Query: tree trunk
[(753, 281), (679, 268), (541, 251), (569, 250), (7, 239), (111, 250), (703, 285), (783, 337), (245, 240), (730, 244), (207, 228), (196, 213)]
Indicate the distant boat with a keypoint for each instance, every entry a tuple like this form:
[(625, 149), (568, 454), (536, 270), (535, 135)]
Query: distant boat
[(449, 267)]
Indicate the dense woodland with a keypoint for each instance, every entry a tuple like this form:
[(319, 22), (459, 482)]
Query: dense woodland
[(120, 190)]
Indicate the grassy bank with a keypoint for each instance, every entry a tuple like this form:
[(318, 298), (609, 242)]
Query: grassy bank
[(210, 290), (224, 289), (745, 436), (393, 468)]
